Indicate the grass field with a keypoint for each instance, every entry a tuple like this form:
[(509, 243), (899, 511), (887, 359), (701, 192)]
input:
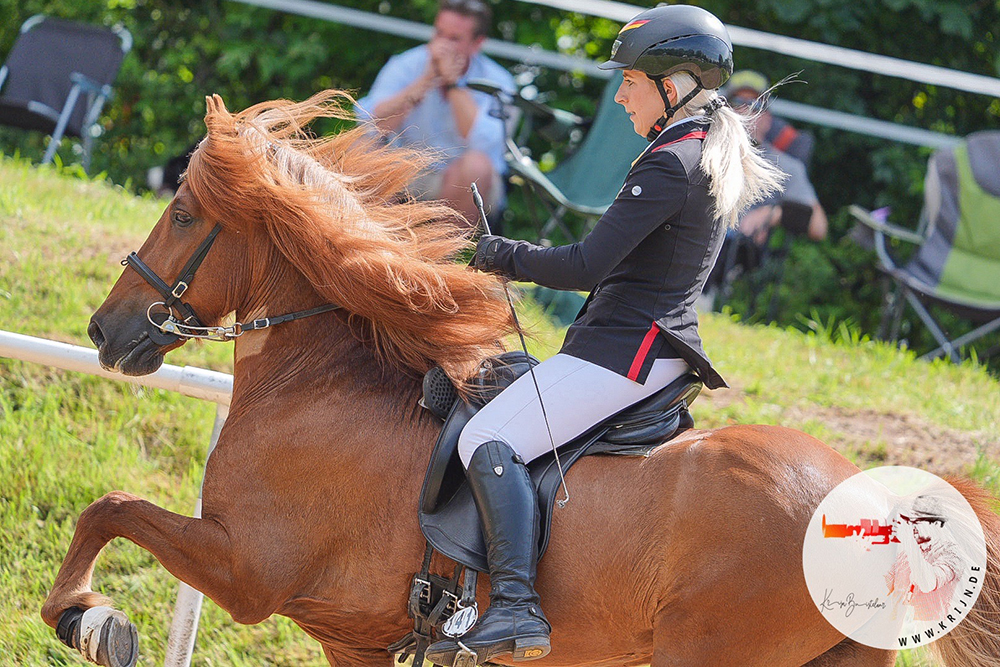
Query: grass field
[(66, 438)]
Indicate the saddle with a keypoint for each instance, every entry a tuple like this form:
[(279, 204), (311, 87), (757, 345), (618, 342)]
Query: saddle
[(447, 512)]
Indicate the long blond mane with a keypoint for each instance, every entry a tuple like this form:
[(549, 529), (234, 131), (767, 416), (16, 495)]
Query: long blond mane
[(336, 207)]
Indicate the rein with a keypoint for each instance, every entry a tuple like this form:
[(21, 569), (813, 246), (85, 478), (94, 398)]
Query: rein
[(167, 328)]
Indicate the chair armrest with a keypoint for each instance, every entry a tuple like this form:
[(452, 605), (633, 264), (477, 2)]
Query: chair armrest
[(88, 85), (865, 218), (525, 167), (533, 107)]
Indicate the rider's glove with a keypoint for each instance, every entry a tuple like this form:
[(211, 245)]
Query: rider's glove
[(486, 251)]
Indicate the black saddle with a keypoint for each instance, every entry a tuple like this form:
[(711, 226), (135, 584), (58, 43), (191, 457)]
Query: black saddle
[(447, 514)]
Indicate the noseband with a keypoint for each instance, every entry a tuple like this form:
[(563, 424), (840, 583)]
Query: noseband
[(167, 328)]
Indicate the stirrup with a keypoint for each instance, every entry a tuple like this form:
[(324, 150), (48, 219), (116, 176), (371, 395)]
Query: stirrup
[(465, 657)]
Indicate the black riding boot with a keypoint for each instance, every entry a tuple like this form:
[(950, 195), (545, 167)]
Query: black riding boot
[(514, 623)]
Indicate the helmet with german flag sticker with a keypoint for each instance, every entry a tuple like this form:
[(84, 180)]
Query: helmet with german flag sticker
[(675, 38)]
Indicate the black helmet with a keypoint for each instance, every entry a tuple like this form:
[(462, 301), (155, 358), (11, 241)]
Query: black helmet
[(675, 38)]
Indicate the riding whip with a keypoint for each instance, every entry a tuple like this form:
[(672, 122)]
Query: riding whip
[(531, 369)]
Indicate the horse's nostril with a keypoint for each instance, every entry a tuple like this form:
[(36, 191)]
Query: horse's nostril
[(95, 333)]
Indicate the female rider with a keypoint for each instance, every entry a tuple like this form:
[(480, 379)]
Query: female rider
[(645, 262)]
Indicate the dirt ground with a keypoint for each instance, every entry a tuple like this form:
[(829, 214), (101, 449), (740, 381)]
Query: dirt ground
[(876, 438)]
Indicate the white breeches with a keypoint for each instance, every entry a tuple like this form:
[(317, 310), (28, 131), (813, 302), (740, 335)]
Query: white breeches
[(577, 395)]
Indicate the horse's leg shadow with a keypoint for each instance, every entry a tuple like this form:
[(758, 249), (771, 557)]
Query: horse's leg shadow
[(195, 551)]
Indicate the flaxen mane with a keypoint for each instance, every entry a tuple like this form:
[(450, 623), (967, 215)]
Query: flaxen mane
[(336, 208)]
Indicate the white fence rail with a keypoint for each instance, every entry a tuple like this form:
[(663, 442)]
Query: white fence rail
[(864, 61), (534, 55), (190, 381)]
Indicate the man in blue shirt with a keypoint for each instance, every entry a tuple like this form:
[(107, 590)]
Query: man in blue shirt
[(419, 99)]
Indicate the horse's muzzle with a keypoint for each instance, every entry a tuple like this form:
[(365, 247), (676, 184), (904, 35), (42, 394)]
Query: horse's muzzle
[(132, 354)]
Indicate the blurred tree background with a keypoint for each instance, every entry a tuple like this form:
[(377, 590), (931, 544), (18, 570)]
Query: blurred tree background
[(189, 48)]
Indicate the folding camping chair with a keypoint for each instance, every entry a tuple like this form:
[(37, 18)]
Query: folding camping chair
[(52, 64), (588, 181), (957, 262)]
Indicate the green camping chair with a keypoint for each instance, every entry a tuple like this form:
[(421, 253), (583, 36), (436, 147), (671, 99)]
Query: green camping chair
[(957, 263), (588, 181)]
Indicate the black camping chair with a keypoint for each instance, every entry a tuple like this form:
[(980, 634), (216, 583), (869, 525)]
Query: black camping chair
[(57, 78)]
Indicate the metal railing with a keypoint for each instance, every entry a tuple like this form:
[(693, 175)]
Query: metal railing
[(815, 51)]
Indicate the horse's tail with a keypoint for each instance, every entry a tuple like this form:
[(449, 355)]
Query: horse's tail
[(976, 640)]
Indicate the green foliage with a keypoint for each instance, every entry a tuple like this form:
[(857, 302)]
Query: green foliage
[(185, 50), (836, 278)]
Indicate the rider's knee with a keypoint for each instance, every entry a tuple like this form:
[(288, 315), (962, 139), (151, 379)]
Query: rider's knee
[(473, 437)]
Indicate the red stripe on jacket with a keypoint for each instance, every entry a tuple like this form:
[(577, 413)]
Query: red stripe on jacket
[(697, 134), (640, 356)]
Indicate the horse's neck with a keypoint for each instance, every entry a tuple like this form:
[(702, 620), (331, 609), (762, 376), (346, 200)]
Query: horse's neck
[(314, 371)]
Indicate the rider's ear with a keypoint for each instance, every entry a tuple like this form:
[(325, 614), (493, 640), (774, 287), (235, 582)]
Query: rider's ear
[(670, 89)]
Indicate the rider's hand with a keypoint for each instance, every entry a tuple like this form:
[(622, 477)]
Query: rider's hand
[(486, 251)]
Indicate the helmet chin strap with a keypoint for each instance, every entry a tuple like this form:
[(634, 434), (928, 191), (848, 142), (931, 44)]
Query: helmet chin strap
[(669, 112)]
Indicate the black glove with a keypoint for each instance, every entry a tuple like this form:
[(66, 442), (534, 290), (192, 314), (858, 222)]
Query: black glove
[(486, 251)]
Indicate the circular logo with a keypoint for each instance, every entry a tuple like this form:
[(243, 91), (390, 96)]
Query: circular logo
[(894, 557), (636, 190)]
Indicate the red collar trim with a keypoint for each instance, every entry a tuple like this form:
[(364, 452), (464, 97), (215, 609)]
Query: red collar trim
[(697, 134)]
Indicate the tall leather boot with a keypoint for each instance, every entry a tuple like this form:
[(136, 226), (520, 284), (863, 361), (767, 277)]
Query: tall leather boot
[(508, 508)]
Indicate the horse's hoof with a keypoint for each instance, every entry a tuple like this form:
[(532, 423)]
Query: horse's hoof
[(103, 635)]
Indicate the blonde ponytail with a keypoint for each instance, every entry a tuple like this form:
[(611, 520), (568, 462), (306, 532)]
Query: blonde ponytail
[(739, 176)]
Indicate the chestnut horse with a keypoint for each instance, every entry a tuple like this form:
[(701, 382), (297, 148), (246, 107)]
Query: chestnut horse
[(691, 556)]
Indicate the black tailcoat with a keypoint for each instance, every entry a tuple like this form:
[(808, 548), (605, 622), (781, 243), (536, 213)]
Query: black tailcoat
[(645, 263)]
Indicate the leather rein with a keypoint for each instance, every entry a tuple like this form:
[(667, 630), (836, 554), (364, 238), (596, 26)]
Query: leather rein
[(168, 328)]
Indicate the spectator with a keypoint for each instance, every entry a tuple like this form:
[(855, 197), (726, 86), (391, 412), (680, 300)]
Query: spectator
[(796, 206), (743, 89), (420, 98), (786, 147)]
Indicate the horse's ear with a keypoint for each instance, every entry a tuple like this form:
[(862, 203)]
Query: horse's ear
[(214, 104)]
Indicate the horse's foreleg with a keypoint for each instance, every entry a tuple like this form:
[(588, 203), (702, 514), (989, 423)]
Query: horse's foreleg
[(195, 551)]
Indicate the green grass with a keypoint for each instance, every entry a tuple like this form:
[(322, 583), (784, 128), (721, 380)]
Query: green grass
[(67, 438)]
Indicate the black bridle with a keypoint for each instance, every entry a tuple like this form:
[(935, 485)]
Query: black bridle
[(167, 328)]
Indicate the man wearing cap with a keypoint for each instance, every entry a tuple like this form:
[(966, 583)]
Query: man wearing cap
[(743, 89), (419, 98), (786, 147)]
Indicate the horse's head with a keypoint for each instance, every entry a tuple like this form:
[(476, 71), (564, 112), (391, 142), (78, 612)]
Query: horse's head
[(178, 283), (313, 220)]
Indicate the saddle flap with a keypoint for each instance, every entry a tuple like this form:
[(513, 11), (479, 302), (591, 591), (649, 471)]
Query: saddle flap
[(448, 515)]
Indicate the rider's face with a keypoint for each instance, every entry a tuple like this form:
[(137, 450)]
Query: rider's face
[(642, 102)]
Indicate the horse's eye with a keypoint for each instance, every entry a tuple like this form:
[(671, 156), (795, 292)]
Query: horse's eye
[(182, 218)]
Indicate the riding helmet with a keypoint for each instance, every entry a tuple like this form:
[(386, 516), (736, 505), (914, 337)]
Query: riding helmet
[(674, 38)]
